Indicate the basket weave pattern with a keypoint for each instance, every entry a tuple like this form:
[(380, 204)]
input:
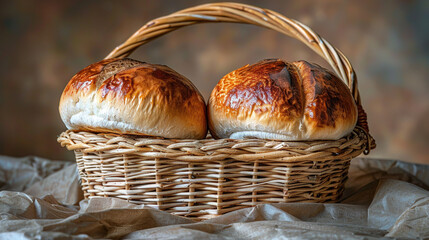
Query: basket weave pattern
[(206, 178), (211, 177)]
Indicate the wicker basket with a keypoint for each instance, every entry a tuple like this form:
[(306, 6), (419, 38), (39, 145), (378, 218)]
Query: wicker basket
[(205, 178)]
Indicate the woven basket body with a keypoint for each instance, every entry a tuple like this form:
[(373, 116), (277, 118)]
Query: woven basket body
[(206, 178)]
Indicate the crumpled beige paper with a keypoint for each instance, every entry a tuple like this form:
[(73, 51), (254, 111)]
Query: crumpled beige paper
[(383, 199)]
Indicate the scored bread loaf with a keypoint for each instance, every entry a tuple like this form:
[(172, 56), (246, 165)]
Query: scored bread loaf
[(126, 96), (274, 99)]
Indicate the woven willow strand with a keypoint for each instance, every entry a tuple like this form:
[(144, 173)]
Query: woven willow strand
[(214, 150)]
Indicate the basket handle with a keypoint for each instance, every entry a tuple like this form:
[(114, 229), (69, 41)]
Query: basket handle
[(242, 13)]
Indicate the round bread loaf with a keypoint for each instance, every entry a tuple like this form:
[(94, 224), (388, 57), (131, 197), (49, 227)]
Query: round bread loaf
[(274, 99), (130, 97)]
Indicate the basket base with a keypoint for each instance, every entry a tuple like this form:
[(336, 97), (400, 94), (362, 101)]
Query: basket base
[(202, 190)]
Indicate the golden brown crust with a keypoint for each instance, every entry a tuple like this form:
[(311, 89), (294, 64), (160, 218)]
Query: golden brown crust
[(145, 96), (86, 78), (299, 99), (270, 86), (133, 82)]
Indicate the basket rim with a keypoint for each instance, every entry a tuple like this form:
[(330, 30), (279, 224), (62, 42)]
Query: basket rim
[(210, 150)]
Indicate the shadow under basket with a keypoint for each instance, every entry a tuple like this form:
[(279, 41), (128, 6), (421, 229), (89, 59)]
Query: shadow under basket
[(201, 179)]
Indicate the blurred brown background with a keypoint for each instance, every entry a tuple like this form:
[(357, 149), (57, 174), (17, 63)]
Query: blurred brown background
[(44, 43)]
